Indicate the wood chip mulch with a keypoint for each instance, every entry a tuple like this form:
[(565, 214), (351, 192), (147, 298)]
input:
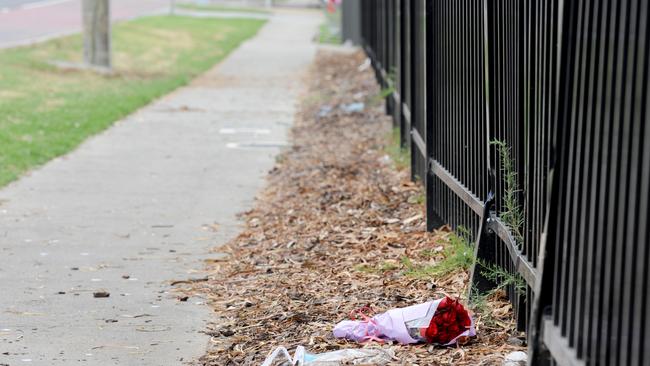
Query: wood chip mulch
[(328, 235)]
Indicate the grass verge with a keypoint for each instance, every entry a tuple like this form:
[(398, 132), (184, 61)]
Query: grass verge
[(46, 112), (221, 8)]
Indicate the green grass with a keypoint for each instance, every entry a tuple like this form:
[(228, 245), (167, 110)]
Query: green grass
[(418, 198), (327, 36), (384, 267), (401, 157), (46, 112), (221, 8), (330, 30), (458, 255)]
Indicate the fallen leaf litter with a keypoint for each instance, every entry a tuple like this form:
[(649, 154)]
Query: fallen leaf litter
[(328, 236)]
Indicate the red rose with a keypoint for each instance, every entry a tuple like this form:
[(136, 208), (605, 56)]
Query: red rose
[(450, 320)]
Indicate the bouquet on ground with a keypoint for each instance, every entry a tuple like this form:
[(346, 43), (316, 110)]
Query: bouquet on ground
[(444, 322)]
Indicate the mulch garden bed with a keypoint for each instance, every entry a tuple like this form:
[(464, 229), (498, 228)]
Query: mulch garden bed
[(337, 228)]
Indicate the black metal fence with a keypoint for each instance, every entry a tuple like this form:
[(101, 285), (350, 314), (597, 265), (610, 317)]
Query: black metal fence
[(526, 122)]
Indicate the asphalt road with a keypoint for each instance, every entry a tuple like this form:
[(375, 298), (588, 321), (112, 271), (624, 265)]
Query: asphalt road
[(27, 21), (11, 4)]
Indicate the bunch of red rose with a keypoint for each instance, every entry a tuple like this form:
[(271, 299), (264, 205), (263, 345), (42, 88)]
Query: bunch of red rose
[(449, 321)]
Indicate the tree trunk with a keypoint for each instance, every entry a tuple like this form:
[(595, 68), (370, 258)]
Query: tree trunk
[(97, 33)]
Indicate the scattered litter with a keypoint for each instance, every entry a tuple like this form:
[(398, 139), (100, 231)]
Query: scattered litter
[(101, 294), (135, 316), (216, 260), (517, 358), (116, 346), (363, 356), (517, 341), (24, 313), (444, 322), (74, 268), (153, 328), (61, 293), (126, 277), (356, 107), (412, 219), (254, 131), (183, 298), (324, 111), (365, 65), (110, 320), (359, 95), (96, 280), (191, 280)]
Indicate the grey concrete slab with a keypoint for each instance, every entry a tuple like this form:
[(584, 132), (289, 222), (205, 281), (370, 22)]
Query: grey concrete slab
[(143, 200)]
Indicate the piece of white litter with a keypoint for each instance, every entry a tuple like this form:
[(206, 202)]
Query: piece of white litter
[(517, 358), (95, 279), (255, 131), (232, 145)]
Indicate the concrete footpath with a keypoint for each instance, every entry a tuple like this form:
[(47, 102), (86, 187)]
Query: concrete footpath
[(141, 205)]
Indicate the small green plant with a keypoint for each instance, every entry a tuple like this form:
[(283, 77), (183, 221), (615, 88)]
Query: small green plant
[(401, 157), (388, 266), (386, 91), (460, 251), (458, 255), (280, 159), (384, 267), (364, 268), (502, 278), (479, 304), (382, 95), (417, 198), (512, 215)]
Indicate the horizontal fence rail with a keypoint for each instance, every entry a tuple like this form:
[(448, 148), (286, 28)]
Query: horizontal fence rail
[(526, 123)]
